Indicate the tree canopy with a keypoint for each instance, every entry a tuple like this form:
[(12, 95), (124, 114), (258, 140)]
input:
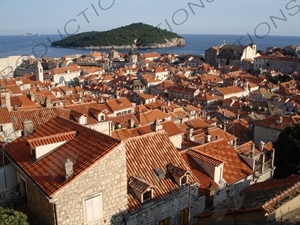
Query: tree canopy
[(138, 34), (287, 155), (12, 217)]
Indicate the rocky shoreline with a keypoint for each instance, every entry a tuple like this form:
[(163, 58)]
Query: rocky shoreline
[(175, 42)]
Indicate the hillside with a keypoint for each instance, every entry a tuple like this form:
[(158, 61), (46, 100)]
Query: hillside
[(137, 34)]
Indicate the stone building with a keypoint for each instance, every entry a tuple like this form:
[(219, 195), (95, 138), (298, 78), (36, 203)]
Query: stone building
[(161, 188), (230, 54), (269, 129), (70, 174)]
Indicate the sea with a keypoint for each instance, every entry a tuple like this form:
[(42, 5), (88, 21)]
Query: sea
[(196, 44)]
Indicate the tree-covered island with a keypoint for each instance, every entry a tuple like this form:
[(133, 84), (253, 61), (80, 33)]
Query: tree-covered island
[(138, 35)]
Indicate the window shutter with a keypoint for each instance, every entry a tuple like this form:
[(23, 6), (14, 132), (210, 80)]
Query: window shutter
[(96, 207), (89, 209)]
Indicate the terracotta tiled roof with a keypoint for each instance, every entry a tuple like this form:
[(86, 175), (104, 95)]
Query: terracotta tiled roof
[(145, 96), (272, 193), (169, 126), (234, 167), (215, 133), (119, 104), (37, 116), (14, 89), (150, 116), (139, 185), (5, 116), (278, 122), (86, 109), (245, 149), (176, 171), (50, 139), (204, 157), (22, 101), (203, 178), (197, 123), (84, 150), (145, 154), (123, 120), (230, 90)]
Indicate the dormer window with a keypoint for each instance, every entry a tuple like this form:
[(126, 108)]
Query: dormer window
[(147, 196), (180, 175), (142, 189), (184, 180)]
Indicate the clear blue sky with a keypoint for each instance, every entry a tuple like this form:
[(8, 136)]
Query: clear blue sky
[(215, 17)]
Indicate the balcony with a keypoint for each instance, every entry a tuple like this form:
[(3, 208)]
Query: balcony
[(260, 169)]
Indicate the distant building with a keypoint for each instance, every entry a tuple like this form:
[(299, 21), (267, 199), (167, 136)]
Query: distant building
[(230, 54)]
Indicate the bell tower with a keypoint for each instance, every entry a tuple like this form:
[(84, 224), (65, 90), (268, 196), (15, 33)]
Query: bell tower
[(39, 72)]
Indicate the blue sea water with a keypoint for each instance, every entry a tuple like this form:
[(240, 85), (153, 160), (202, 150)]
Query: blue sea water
[(196, 44)]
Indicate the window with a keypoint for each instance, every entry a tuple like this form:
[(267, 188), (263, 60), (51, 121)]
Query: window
[(93, 208), (184, 216), (146, 196), (164, 222), (227, 193), (102, 118), (183, 180)]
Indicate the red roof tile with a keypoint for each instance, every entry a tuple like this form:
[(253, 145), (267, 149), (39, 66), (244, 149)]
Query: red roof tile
[(203, 178), (5, 116), (146, 153), (84, 150), (50, 139), (234, 168)]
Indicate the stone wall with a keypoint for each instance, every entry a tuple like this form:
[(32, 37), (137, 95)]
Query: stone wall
[(169, 207), (39, 204), (108, 179), (265, 134)]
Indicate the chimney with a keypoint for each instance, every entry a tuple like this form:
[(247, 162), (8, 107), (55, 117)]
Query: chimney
[(224, 126), (207, 137), (68, 169), (131, 122), (189, 132), (261, 146), (209, 196), (234, 144), (252, 150), (27, 127), (156, 126), (238, 115)]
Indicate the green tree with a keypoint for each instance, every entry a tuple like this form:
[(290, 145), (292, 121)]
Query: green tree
[(9, 216), (287, 155)]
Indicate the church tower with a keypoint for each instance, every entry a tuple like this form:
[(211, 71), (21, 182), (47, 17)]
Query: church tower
[(39, 72), (132, 55)]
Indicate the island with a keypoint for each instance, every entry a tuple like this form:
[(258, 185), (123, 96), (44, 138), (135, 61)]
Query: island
[(136, 35)]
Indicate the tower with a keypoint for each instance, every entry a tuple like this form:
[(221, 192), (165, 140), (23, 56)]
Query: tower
[(132, 55), (39, 72)]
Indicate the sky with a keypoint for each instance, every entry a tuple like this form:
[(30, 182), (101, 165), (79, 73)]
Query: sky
[(256, 17)]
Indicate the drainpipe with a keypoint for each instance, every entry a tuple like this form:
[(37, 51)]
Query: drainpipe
[(54, 213)]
